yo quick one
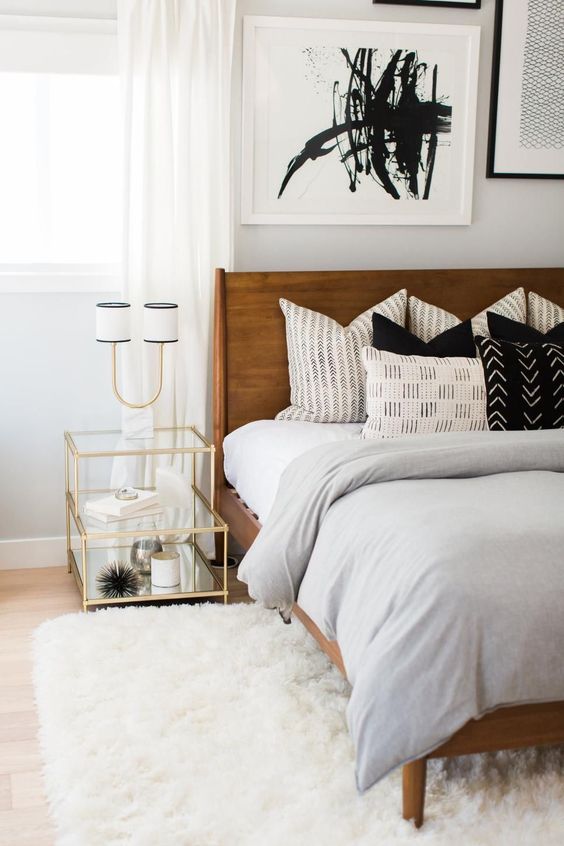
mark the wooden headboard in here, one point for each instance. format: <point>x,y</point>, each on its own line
<point>250,361</point>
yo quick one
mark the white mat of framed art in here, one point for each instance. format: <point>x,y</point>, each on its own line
<point>358,122</point>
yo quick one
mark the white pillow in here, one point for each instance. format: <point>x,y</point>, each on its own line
<point>414,394</point>
<point>325,361</point>
<point>543,314</point>
<point>427,321</point>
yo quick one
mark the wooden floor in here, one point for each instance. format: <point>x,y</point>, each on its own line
<point>27,598</point>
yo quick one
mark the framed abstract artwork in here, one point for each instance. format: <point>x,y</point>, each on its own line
<point>526,136</point>
<point>453,4</point>
<point>358,122</point>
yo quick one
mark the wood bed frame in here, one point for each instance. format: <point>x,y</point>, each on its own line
<point>251,383</point>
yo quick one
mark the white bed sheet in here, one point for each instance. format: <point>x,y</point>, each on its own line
<point>256,455</point>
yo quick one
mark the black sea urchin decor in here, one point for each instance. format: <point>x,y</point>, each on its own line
<point>118,579</point>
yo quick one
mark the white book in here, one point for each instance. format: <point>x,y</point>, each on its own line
<point>112,507</point>
<point>110,518</point>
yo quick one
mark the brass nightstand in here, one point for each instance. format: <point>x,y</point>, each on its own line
<point>91,459</point>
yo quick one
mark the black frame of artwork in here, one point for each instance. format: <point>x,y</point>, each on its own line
<point>491,173</point>
<point>448,4</point>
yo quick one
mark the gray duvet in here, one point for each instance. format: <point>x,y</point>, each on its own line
<point>439,563</point>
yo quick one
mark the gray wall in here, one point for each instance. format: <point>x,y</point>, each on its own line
<point>54,376</point>
<point>516,222</point>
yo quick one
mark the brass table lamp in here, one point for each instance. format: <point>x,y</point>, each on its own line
<point>160,326</point>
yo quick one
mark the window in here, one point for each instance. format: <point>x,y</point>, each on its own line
<point>60,155</point>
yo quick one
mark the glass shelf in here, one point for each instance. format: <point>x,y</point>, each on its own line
<point>197,579</point>
<point>195,515</point>
<point>112,442</point>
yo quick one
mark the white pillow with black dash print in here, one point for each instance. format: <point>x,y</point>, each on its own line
<point>325,361</point>
<point>427,321</point>
<point>543,315</point>
<point>420,395</point>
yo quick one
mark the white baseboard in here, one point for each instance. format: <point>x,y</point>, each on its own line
<point>32,552</point>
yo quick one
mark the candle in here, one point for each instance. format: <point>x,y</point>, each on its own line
<point>156,590</point>
<point>160,323</point>
<point>112,322</point>
<point>165,569</point>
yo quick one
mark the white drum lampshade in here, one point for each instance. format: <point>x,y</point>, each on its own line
<point>113,323</point>
<point>160,323</point>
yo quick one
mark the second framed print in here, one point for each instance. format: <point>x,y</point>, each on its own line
<point>526,138</point>
<point>358,122</point>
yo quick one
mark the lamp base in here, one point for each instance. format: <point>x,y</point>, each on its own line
<point>137,422</point>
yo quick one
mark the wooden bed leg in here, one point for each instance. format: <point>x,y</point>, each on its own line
<point>219,542</point>
<point>414,778</point>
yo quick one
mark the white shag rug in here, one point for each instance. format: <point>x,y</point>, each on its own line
<point>220,726</point>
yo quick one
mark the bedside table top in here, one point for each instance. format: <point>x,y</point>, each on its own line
<point>111,442</point>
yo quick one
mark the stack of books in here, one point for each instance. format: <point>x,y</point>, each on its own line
<point>109,509</point>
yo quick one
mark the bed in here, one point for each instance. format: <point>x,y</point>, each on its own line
<point>251,384</point>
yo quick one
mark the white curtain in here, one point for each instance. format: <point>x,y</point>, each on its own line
<point>175,60</point>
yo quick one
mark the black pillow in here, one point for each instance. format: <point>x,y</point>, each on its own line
<point>505,329</point>
<point>524,384</point>
<point>391,337</point>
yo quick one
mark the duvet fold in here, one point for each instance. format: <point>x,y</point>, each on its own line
<point>437,562</point>
<point>275,564</point>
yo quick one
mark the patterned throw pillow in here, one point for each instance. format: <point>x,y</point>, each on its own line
<point>411,394</point>
<point>456,341</point>
<point>504,329</point>
<point>325,361</point>
<point>426,320</point>
<point>543,314</point>
<point>524,384</point>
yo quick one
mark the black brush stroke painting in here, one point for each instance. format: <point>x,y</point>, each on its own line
<point>383,128</point>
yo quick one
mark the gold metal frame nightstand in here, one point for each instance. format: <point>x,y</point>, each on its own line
<point>90,457</point>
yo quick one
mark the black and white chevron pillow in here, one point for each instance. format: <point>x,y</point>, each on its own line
<point>524,384</point>
<point>543,315</point>
<point>325,361</point>
<point>427,321</point>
